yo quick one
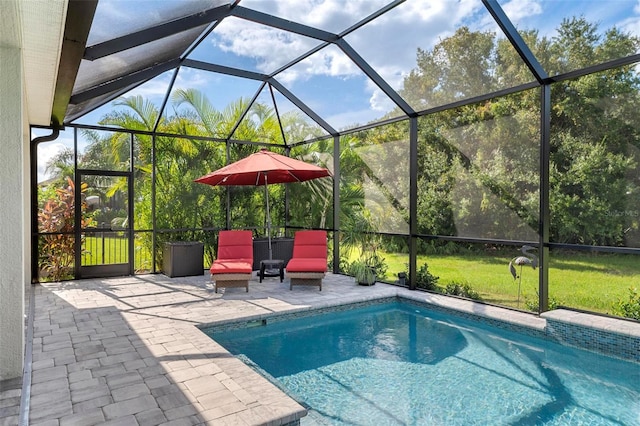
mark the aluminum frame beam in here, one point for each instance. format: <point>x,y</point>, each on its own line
<point>283,24</point>
<point>516,40</point>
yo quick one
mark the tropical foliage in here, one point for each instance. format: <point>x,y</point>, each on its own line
<point>56,221</point>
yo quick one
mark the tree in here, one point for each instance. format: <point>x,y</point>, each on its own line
<point>479,163</point>
<point>457,68</point>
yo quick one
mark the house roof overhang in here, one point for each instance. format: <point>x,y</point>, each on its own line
<point>51,54</point>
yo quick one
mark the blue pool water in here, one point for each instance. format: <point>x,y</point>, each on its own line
<point>398,364</point>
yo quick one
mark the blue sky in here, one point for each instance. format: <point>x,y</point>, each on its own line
<point>328,81</point>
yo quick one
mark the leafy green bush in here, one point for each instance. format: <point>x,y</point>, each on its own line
<point>629,308</point>
<point>425,279</point>
<point>343,264</point>
<point>462,290</point>
<point>534,306</point>
<point>378,264</point>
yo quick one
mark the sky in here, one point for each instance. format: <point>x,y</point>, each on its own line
<point>329,82</point>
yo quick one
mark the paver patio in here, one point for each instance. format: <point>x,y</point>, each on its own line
<point>126,351</point>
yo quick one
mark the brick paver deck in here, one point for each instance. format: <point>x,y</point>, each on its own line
<point>126,351</point>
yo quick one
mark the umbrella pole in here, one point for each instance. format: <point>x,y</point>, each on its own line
<point>266,195</point>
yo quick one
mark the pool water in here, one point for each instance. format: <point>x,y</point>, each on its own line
<point>398,364</point>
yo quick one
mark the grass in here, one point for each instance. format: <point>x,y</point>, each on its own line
<point>116,250</point>
<point>584,281</point>
<point>112,250</point>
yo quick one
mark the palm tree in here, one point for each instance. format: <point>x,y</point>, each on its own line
<point>60,165</point>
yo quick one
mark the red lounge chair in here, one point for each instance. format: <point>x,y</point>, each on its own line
<point>233,267</point>
<point>309,261</point>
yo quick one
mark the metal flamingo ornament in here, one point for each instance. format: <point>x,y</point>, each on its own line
<point>527,259</point>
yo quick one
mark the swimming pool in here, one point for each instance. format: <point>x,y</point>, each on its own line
<point>401,364</point>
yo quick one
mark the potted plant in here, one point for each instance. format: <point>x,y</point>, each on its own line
<point>364,273</point>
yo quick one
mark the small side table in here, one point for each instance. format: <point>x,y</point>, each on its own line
<point>267,268</point>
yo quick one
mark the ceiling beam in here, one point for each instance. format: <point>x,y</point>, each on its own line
<point>303,107</point>
<point>283,24</point>
<point>371,17</point>
<point>237,72</point>
<point>76,32</point>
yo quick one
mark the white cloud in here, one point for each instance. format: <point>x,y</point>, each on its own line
<point>631,25</point>
<point>389,43</point>
<point>268,48</point>
<point>47,151</point>
<point>194,78</point>
<point>380,102</point>
<point>520,10</point>
<point>348,119</point>
<point>329,15</point>
<point>331,61</point>
<point>396,34</point>
<point>154,88</point>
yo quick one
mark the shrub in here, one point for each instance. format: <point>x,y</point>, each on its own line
<point>343,264</point>
<point>629,308</point>
<point>365,268</point>
<point>425,279</point>
<point>462,290</point>
<point>57,250</point>
<point>534,306</point>
<point>378,264</point>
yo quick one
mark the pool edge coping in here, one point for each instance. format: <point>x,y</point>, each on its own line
<point>556,325</point>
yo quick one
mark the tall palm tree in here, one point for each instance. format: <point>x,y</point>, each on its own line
<point>60,165</point>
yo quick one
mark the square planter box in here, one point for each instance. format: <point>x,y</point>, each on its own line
<point>281,248</point>
<point>182,259</point>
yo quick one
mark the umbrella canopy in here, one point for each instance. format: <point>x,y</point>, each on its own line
<point>264,168</point>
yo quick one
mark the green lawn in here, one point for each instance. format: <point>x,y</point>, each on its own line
<point>112,250</point>
<point>584,281</point>
<point>116,250</point>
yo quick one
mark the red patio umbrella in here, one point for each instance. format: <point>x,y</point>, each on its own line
<point>264,168</point>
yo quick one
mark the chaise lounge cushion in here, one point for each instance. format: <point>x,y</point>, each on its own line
<point>309,252</point>
<point>235,244</point>
<point>231,266</point>
<point>307,264</point>
<point>234,265</point>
